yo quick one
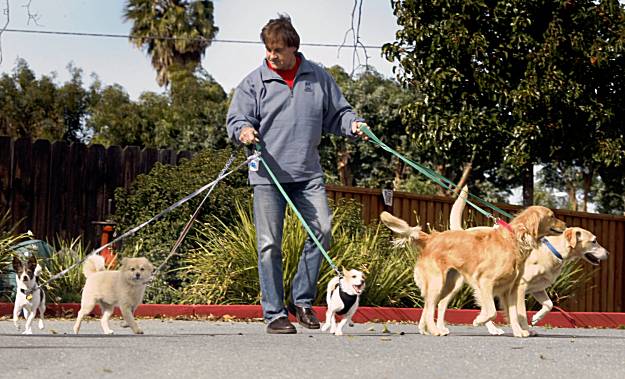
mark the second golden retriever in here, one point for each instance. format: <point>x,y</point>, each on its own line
<point>490,260</point>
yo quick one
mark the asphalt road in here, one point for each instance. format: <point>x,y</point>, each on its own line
<point>210,349</point>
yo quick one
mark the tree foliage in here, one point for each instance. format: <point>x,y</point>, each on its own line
<point>189,116</point>
<point>175,33</point>
<point>39,108</point>
<point>378,100</point>
<point>509,84</point>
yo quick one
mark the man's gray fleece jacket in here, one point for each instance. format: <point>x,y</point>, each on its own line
<point>290,122</point>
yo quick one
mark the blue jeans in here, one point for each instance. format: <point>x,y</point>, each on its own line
<point>310,199</point>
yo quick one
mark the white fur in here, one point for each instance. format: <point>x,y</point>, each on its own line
<point>352,283</point>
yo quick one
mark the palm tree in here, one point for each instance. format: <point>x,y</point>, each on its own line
<point>175,33</point>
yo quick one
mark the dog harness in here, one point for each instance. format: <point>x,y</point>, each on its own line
<point>347,299</point>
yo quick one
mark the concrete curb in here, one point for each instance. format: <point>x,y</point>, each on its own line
<point>364,314</point>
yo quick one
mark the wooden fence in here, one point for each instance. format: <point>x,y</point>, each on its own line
<point>61,189</point>
<point>606,291</point>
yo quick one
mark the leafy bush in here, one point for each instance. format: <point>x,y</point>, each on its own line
<point>67,288</point>
<point>8,238</point>
<point>164,185</point>
<point>223,269</point>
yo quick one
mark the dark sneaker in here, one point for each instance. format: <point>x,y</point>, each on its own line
<point>305,316</point>
<point>281,325</point>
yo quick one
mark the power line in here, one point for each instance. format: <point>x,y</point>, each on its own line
<point>109,35</point>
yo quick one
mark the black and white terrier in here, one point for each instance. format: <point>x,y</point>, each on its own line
<point>29,297</point>
<point>342,297</point>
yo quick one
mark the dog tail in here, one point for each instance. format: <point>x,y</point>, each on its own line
<point>455,216</point>
<point>93,264</point>
<point>407,233</point>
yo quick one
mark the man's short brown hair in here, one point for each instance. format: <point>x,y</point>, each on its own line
<point>280,30</point>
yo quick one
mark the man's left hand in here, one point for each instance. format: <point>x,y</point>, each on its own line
<point>356,130</point>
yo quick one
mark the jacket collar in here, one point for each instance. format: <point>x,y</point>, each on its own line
<point>268,74</point>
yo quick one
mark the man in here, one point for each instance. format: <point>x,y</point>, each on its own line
<point>285,105</point>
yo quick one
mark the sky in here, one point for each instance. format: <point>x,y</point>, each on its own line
<point>115,60</point>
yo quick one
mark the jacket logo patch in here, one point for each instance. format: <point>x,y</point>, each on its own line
<point>308,87</point>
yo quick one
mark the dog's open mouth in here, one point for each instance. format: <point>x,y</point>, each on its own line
<point>358,288</point>
<point>591,259</point>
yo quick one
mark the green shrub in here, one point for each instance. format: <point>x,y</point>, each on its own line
<point>223,269</point>
<point>8,237</point>
<point>164,185</point>
<point>67,288</point>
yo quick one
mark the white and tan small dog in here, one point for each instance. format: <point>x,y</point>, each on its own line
<point>124,288</point>
<point>343,297</point>
<point>29,297</point>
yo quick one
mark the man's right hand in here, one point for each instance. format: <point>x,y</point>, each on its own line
<point>248,135</point>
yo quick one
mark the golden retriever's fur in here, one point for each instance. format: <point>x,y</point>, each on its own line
<point>490,260</point>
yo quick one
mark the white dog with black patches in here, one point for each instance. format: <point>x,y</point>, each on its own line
<point>29,297</point>
<point>343,297</point>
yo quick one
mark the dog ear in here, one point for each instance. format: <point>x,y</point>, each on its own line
<point>571,237</point>
<point>124,262</point>
<point>32,262</point>
<point>345,272</point>
<point>17,264</point>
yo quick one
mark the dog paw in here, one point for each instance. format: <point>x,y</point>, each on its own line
<point>325,326</point>
<point>40,325</point>
<point>494,331</point>
<point>522,334</point>
<point>338,333</point>
<point>535,320</point>
<point>138,331</point>
<point>351,324</point>
<point>444,331</point>
<point>108,332</point>
<point>27,331</point>
<point>533,333</point>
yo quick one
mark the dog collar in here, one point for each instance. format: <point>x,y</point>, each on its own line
<point>501,222</point>
<point>29,293</point>
<point>553,249</point>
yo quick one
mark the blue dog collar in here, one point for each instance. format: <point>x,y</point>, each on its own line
<point>553,249</point>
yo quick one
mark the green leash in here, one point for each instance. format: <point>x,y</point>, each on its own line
<point>298,214</point>
<point>434,176</point>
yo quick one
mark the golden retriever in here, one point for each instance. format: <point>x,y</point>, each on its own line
<point>542,267</point>
<point>490,260</point>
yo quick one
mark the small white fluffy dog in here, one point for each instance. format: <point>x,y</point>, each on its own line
<point>28,297</point>
<point>342,297</point>
<point>124,288</point>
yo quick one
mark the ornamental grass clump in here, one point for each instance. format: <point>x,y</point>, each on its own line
<point>223,268</point>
